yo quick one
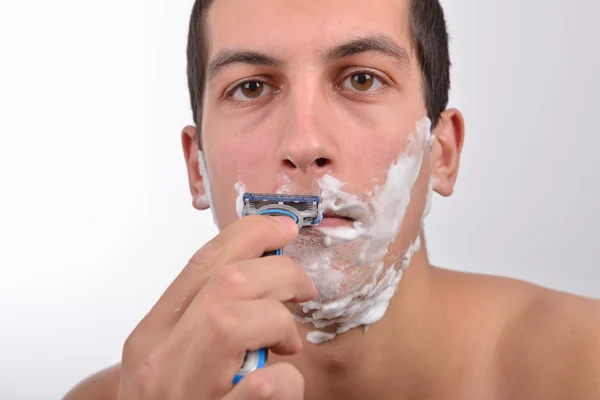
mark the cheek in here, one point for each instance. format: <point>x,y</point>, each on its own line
<point>415,213</point>
<point>377,136</point>
<point>238,161</point>
<point>370,156</point>
<point>241,159</point>
<point>243,156</point>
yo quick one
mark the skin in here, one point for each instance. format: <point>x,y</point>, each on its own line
<point>445,335</point>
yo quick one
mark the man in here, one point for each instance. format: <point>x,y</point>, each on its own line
<point>348,99</point>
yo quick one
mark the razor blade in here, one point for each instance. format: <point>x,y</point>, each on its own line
<point>305,211</point>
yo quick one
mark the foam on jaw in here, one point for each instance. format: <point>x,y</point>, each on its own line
<point>240,188</point>
<point>347,263</point>
<point>203,169</point>
<point>348,268</point>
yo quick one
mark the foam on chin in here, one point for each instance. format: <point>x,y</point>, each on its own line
<point>348,265</point>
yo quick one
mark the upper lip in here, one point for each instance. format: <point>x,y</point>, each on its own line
<point>330,214</point>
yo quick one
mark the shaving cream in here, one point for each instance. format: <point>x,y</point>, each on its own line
<point>207,196</point>
<point>347,263</point>
<point>354,287</point>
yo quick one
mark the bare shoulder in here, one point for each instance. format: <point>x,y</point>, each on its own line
<point>535,342</point>
<point>550,349</point>
<point>103,385</point>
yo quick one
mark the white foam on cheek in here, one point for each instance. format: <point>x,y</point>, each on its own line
<point>319,337</point>
<point>361,248</point>
<point>203,169</point>
<point>239,202</point>
<point>334,198</point>
<point>430,141</point>
<point>432,180</point>
<point>391,201</point>
<point>427,208</point>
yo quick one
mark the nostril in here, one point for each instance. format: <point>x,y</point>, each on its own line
<point>321,162</point>
<point>289,164</point>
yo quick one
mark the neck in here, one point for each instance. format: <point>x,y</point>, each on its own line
<point>407,353</point>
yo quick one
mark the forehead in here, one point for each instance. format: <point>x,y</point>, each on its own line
<point>290,26</point>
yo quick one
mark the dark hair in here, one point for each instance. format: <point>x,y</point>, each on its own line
<point>428,34</point>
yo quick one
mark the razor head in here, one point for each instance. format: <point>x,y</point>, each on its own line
<point>304,210</point>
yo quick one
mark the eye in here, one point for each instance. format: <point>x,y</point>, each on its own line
<point>251,90</point>
<point>362,82</point>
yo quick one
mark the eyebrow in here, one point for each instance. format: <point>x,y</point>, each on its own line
<point>373,43</point>
<point>227,58</point>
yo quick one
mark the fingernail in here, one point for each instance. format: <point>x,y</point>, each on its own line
<point>286,221</point>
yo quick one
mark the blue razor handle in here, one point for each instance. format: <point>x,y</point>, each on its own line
<point>304,210</point>
<point>252,361</point>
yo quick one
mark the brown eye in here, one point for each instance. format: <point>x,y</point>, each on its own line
<point>362,82</point>
<point>251,90</point>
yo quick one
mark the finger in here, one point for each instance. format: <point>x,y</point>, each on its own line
<point>277,381</point>
<point>221,337</point>
<point>247,238</point>
<point>276,278</point>
<point>252,236</point>
<point>234,327</point>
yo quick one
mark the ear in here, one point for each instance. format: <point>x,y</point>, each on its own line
<point>447,147</point>
<point>190,153</point>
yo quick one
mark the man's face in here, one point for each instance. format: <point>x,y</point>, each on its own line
<point>309,93</point>
<point>289,124</point>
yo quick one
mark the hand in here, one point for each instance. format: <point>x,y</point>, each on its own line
<point>227,300</point>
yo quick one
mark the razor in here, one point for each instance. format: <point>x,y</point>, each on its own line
<point>305,211</point>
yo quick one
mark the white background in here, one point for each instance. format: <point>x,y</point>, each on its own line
<point>95,214</point>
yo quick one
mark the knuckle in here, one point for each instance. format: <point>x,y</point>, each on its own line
<point>229,277</point>
<point>129,348</point>
<point>133,345</point>
<point>222,322</point>
<point>146,380</point>
<point>206,255</point>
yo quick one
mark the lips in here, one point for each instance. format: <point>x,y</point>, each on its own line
<point>334,220</point>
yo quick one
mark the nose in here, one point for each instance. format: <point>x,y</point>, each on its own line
<point>306,156</point>
<point>308,147</point>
